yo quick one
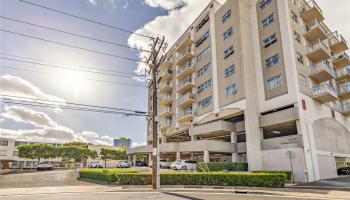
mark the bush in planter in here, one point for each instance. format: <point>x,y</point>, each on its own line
<point>108,175</point>
<point>286,172</point>
<point>211,178</point>
<point>221,166</point>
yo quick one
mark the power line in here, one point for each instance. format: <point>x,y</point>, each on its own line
<point>67,68</point>
<point>86,19</point>
<point>68,103</point>
<point>72,108</point>
<point>72,46</point>
<point>76,67</point>
<point>97,80</point>
<point>74,34</point>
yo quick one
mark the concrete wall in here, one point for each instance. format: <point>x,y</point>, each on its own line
<point>327,166</point>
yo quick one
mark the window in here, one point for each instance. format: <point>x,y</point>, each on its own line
<point>3,152</point>
<point>267,21</point>
<point>297,37</point>
<point>228,33</point>
<point>264,4</point>
<point>230,70</point>
<point>4,143</point>
<point>202,39</point>
<point>229,51</point>
<point>17,143</point>
<point>272,61</point>
<point>294,17</point>
<point>204,86</point>
<point>226,16</point>
<point>204,53</point>
<point>300,58</point>
<point>270,40</point>
<point>204,69</point>
<point>205,102</point>
<point>274,82</point>
<point>231,90</point>
<point>302,80</point>
<point>201,24</point>
<point>15,153</point>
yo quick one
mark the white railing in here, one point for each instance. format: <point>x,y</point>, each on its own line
<point>308,6</point>
<point>167,122</point>
<point>340,56</point>
<point>182,54</point>
<point>344,72</point>
<point>315,23</point>
<point>185,81</point>
<point>166,72</point>
<point>184,67</point>
<point>185,97</point>
<point>313,69</point>
<point>166,109</point>
<point>324,88</point>
<point>168,83</point>
<point>186,112</point>
<point>344,89</point>
<point>336,38</point>
<point>317,45</point>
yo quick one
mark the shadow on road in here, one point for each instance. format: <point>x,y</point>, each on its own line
<point>181,195</point>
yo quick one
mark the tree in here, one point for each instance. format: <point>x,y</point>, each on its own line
<point>112,154</point>
<point>36,151</point>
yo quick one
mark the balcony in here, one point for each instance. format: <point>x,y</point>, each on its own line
<point>321,72</point>
<point>167,63</point>
<point>316,31</point>
<point>186,116</point>
<point>344,91</point>
<point>167,123</point>
<point>166,99</point>
<point>318,51</point>
<point>165,87</point>
<point>345,109</point>
<point>185,85</point>
<point>341,60</point>
<point>185,41</point>
<point>337,43</point>
<point>166,112</point>
<point>343,74</point>
<point>324,93</point>
<point>311,11</point>
<point>185,56</point>
<point>166,75</point>
<point>186,100</point>
<point>185,70</point>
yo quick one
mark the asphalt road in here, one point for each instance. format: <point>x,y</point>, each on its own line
<point>151,195</point>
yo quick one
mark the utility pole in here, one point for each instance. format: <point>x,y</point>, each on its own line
<point>154,63</point>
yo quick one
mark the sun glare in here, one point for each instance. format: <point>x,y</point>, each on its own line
<point>75,81</point>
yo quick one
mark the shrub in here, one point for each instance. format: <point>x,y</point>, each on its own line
<point>286,172</point>
<point>221,166</point>
<point>103,175</point>
<point>216,178</point>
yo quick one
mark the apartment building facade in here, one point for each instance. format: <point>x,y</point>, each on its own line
<point>258,81</point>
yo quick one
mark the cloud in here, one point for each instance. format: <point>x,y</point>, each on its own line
<point>136,144</point>
<point>107,138</point>
<point>181,14</point>
<point>93,2</point>
<point>90,134</point>
<point>101,142</point>
<point>26,115</point>
<point>16,86</point>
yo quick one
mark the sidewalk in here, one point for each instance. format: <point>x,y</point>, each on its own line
<point>295,192</point>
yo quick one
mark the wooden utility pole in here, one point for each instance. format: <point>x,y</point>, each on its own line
<point>154,63</point>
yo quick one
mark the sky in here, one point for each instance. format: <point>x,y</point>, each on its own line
<point>149,17</point>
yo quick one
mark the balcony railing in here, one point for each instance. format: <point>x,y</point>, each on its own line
<point>185,81</point>
<point>185,113</point>
<point>335,38</point>
<point>316,30</point>
<point>318,51</point>
<point>317,45</point>
<point>166,109</point>
<point>184,67</point>
<point>341,60</point>
<point>322,66</point>
<point>167,122</point>
<point>311,10</point>
<point>340,56</point>
<point>324,88</point>
<point>344,89</point>
<point>343,73</point>
<point>166,74</point>
<point>167,96</point>
<point>183,55</point>
<point>184,41</point>
<point>187,96</point>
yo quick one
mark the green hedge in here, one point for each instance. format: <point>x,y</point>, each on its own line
<point>286,172</point>
<point>103,175</point>
<point>222,179</point>
<point>221,166</point>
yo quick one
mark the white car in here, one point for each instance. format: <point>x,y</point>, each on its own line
<point>164,164</point>
<point>183,165</point>
<point>44,166</point>
<point>123,164</point>
<point>95,164</point>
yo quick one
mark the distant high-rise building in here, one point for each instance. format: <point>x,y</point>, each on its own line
<point>122,142</point>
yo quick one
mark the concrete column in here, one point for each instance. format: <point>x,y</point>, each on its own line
<point>129,159</point>
<point>193,138</point>
<point>134,160</point>
<point>164,139</point>
<point>178,156</point>
<point>191,156</point>
<point>206,156</point>
<point>235,157</point>
<point>149,158</point>
<point>233,137</point>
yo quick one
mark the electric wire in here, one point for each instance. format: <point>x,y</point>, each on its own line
<point>72,46</point>
<point>86,19</point>
<point>74,34</point>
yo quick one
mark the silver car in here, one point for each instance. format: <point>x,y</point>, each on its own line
<point>44,166</point>
<point>184,165</point>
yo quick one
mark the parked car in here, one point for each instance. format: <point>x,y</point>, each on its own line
<point>183,165</point>
<point>123,164</point>
<point>343,171</point>
<point>95,164</point>
<point>141,163</point>
<point>44,166</point>
<point>164,164</point>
